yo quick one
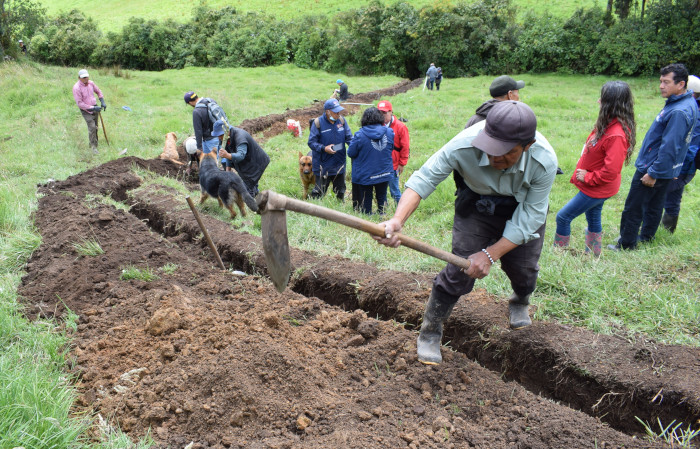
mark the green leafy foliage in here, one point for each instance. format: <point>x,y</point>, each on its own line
<point>69,38</point>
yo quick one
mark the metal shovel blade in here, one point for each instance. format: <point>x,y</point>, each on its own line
<point>276,247</point>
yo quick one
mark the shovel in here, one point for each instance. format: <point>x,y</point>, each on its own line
<point>273,206</point>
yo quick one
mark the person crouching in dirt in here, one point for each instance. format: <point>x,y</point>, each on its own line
<point>328,135</point>
<point>508,168</point>
<point>341,93</point>
<point>243,154</point>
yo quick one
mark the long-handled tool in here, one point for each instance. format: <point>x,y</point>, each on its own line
<point>104,131</point>
<point>210,242</point>
<point>273,206</point>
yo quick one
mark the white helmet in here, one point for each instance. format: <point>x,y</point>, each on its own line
<point>191,145</point>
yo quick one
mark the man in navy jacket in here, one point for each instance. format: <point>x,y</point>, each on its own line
<point>328,136</point>
<point>660,159</point>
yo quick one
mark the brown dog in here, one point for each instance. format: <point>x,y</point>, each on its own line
<point>170,148</point>
<point>306,173</point>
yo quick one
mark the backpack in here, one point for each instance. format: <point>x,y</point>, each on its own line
<point>316,122</point>
<point>216,112</point>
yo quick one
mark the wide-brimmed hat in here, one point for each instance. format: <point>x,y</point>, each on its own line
<point>508,123</point>
<point>219,128</point>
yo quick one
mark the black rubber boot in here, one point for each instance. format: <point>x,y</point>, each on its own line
<point>437,310</point>
<point>669,222</point>
<point>517,308</point>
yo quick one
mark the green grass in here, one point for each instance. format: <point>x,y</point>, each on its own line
<point>88,247</point>
<point>112,15</point>
<point>652,291</point>
<point>141,274</point>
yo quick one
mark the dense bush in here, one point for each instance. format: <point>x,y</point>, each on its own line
<point>68,39</point>
<point>480,37</point>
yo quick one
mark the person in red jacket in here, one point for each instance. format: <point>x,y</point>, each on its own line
<point>402,145</point>
<point>597,174</point>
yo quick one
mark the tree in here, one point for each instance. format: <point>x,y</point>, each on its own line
<point>19,19</point>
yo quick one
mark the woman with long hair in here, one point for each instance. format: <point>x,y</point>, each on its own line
<point>597,174</point>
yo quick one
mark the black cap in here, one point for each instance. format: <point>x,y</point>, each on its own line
<point>501,85</point>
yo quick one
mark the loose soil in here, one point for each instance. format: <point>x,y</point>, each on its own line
<point>206,358</point>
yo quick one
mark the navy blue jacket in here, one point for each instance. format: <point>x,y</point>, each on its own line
<point>329,133</point>
<point>370,151</point>
<point>666,143</point>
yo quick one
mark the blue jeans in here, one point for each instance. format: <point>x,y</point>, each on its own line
<point>643,207</point>
<point>578,205</point>
<point>672,205</point>
<point>208,145</point>
<point>394,189</point>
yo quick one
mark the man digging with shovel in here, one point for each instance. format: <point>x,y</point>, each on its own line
<point>508,168</point>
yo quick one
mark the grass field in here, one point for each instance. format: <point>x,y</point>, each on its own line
<point>650,293</point>
<point>112,15</point>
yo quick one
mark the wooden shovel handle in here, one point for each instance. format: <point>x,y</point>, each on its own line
<point>367,226</point>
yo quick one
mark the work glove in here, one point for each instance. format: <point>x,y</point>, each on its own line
<point>96,109</point>
<point>104,105</point>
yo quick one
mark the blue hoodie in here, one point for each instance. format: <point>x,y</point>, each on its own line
<point>666,143</point>
<point>370,151</point>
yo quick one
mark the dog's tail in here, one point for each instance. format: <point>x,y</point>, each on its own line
<point>242,190</point>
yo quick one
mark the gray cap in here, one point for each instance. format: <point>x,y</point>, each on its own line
<point>83,74</point>
<point>501,85</point>
<point>508,123</point>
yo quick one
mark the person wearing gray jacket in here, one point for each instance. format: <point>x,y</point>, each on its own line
<point>431,74</point>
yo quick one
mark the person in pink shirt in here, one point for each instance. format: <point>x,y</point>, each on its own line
<point>84,93</point>
<point>597,174</point>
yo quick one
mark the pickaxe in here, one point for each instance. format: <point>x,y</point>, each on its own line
<point>273,206</point>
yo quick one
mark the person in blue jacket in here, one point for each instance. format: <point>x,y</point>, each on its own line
<point>660,159</point>
<point>328,135</point>
<point>372,166</point>
<point>672,205</point>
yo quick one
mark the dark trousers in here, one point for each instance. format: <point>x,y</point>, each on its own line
<point>674,194</point>
<point>643,207</point>
<point>362,197</point>
<point>323,182</point>
<point>472,231</point>
<point>429,83</point>
<point>91,120</point>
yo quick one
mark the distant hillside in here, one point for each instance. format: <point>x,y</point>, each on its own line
<point>111,15</point>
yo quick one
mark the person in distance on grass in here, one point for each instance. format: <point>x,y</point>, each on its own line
<point>328,135</point>
<point>202,124</point>
<point>401,147</point>
<point>672,205</point>
<point>370,151</point>
<point>22,47</point>
<point>438,78</point>
<point>341,93</point>
<point>84,94</point>
<point>431,74</point>
<point>243,154</point>
<point>597,174</point>
<point>660,159</point>
<point>508,168</point>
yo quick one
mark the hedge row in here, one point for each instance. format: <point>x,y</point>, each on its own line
<point>482,37</point>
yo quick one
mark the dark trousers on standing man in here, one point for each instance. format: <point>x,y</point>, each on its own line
<point>324,181</point>
<point>91,120</point>
<point>643,207</point>
<point>476,227</point>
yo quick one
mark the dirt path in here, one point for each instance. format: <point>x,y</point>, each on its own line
<point>224,361</point>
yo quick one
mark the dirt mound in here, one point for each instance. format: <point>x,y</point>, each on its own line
<point>222,360</point>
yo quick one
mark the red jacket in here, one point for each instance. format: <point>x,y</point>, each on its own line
<point>401,142</point>
<point>603,160</point>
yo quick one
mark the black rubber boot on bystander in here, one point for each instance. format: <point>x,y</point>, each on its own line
<point>517,308</point>
<point>437,310</point>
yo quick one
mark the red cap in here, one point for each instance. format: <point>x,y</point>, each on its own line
<point>384,106</point>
